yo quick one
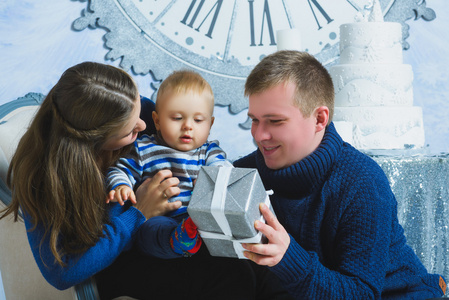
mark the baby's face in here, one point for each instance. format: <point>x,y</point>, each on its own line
<point>184,120</point>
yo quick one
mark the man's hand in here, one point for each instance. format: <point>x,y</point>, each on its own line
<point>278,241</point>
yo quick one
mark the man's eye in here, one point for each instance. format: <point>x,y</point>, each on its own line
<point>275,121</point>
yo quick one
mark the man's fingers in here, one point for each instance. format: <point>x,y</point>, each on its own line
<point>269,217</point>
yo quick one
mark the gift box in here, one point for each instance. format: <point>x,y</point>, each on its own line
<point>224,206</point>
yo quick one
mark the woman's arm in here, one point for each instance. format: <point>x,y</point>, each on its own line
<point>118,235</point>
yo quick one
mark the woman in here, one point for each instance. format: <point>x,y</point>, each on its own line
<point>85,123</point>
<point>57,174</point>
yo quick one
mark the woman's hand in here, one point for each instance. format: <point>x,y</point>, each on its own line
<point>153,194</point>
<point>278,241</point>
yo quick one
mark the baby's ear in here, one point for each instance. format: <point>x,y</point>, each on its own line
<point>322,117</point>
<point>155,119</point>
<point>212,121</point>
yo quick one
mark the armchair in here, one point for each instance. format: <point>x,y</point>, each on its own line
<point>20,274</point>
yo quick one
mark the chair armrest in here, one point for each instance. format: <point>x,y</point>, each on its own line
<point>21,276</point>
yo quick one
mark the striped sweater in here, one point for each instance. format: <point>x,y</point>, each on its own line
<point>150,155</point>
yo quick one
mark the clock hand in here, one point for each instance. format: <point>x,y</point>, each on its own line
<point>352,2</point>
<point>230,31</point>
<point>166,9</point>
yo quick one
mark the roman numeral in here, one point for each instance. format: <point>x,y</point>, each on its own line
<point>266,15</point>
<point>321,10</point>
<point>216,7</point>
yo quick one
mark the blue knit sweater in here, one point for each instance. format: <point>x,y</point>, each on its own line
<point>346,241</point>
<point>119,235</point>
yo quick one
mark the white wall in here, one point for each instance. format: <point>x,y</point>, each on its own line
<point>37,45</point>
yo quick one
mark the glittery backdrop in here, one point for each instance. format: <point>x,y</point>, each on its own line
<point>420,184</point>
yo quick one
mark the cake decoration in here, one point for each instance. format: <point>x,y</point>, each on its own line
<point>373,88</point>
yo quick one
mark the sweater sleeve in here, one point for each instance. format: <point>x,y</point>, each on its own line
<point>215,156</point>
<point>127,170</point>
<point>118,236</point>
<point>354,264</point>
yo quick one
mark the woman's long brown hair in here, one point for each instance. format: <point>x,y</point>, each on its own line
<point>57,171</point>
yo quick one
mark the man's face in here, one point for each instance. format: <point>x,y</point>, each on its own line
<point>282,133</point>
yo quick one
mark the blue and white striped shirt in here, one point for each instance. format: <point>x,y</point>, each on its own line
<point>149,157</point>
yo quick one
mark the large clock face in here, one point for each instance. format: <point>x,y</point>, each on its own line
<point>239,32</point>
<point>223,40</point>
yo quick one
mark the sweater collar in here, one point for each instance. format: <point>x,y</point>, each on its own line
<point>302,177</point>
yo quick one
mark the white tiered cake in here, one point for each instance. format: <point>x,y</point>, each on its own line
<point>373,88</point>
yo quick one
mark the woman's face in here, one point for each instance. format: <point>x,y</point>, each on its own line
<point>128,133</point>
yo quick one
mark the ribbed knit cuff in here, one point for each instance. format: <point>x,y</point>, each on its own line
<point>294,264</point>
<point>132,218</point>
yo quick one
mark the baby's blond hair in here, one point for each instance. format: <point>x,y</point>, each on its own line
<point>184,81</point>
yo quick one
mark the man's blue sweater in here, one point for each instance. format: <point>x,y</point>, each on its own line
<point>346,241</point>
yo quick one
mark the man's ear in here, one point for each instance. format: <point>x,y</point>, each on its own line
<point>156,120</point>
<point>322,117</point>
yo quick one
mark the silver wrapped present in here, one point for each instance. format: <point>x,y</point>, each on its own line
<point>224,206</point>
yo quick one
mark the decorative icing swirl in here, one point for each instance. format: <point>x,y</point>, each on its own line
<point>376,14</point>
<point>372,12</point>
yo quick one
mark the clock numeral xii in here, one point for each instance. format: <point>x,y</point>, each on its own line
<point>194,10</point>
<point>266,15</point>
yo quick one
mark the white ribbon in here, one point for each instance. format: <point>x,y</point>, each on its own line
<point>223,222</point>
<point>219,200</point>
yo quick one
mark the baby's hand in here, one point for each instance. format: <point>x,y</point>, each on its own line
<point>120,194</point>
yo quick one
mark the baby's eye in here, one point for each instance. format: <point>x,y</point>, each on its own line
<point>199,120</point>
<point>176,118</point>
